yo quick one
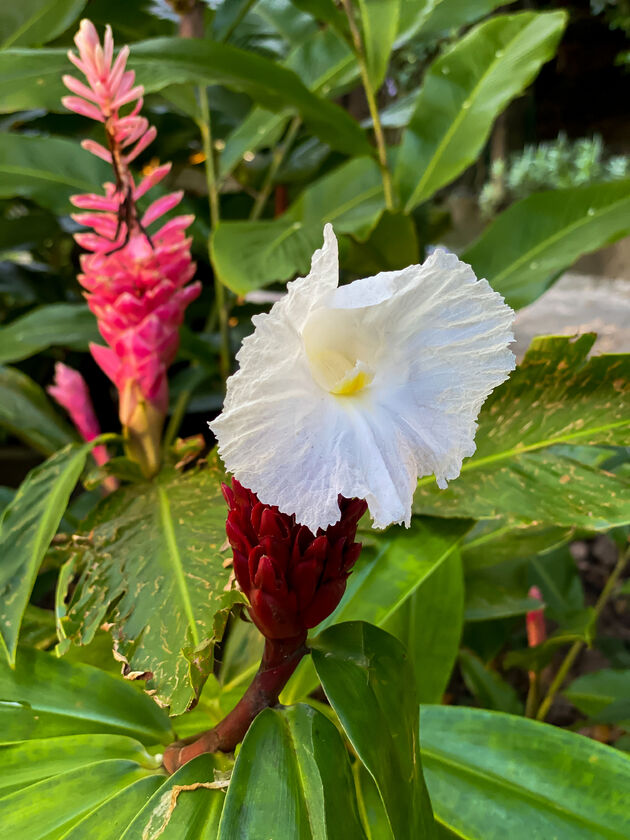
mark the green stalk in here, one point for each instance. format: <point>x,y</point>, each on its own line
<point>205,128</point>
<point>370,95</point>
<point>576,647</point>
<point>279,154</point>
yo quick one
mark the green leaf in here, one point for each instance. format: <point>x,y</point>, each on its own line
<point>27,527</point>
<point>47,170</point>
<point>57,324</point>
<point>186,807</point>
<point>498,591</point>
<point>436,18</point>
<point>33,80</point>
<point>46,810</point>
<point>487,686</point>
<point>27,413</point>
<point>529,245</point>
<point>493,541</point>
<point>492,775</point>
<point>291,779</point>
<point>379,24</point>
<point>384,579</point>
<point>155,567</point>
<point>594,693</point>
<point>464,91</point>
<point>26,762</point>
<point>248,255</point>
<point>557,395</point>
<point>368,680</point>
<point>392,245</point>
<point>429,624</point>
<point>322,62</point>
<point>34,22</point>
<point>44,697</point>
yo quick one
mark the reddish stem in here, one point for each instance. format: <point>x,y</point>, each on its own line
<point>280,659</point>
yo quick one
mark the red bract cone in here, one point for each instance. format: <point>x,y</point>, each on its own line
<point>292,577</point>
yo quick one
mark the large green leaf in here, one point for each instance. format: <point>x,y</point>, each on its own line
<point>556,396</point>
<point>464,90</point>
<point>155,565</point>
<point>487,686</point>
<point>534,240</point>
<point>427,20</point>
<point>44,697</point>
<point>384,579</point>
<point>367,678</point>
<point>493,776</point>
<point>47,170</point>
<point>66,324</point>
<point>379,24</point>
<point>291,780</point>
<point>32,79</point>
<point>429,624</point>
<point>248,255</point>
<point>322,62</point>
<point>27,527</point>
<point>27,413</point>
<point>492,541</point>
<point>34,22</point>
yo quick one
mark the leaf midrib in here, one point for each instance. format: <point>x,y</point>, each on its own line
<point>521,792</point>
<point>551,240</point>
<point>45,175</point>
<point>475,464</point>
<point>462,114</point>
<point>175,557</point>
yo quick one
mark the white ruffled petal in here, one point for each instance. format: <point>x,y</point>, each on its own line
<point>360,390</point>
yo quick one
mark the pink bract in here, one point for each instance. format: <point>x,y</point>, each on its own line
<point>135,278</point>
<point>70,390</point>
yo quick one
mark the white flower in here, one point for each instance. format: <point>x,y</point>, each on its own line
<point>362,389</point>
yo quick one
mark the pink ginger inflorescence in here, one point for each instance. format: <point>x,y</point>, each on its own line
<point>136,279</point>
<point>71,391</point>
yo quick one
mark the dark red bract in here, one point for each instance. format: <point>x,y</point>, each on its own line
<point>292,577</point>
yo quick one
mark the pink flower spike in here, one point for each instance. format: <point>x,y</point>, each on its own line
<point>136,284</point>
<point>535,620</point>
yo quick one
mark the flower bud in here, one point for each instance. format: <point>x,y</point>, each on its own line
<point>293,578</point>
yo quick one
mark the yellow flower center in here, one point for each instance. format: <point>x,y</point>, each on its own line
<point>338,374</point>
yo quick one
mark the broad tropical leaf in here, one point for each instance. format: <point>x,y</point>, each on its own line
<point>248,255</point>
<point>492,775</point>
<point>556,396</point>
<point>464,90</point>
<point>156,565</point>
<point>292,779</point>
<point>34,22</point>
<point>47,170</point>
<point>429,624</point>
<point>367,678</point>
<point>527,247</point>
<point>32,79</point>
<point>429,19</point>
<point>57,324</point>
<point>27,413</point>
<point>45,697</point>
<point>379,24</point>
<point>27,527</point>
<point>601,692</point>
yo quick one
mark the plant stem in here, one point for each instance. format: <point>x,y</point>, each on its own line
<point>205,128</point>
<point>370,95</point>
<point>577,646</point>
<point>280,659</point>
<point>279,155</point>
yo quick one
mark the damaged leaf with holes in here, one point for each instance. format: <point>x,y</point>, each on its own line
<point>155,568</point>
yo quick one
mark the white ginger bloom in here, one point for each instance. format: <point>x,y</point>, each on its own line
<point>359,390</point>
